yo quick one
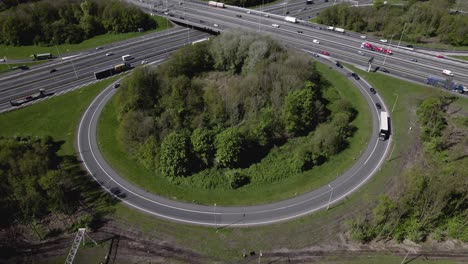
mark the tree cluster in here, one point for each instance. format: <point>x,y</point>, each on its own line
<point>6,4</point>
<point>34,181</point>
<point>224,103</point>
<point>420,20</point>
<point>434,197</point>
<point>56,22</point>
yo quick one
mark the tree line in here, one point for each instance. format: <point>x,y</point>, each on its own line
<point>421,21</point>
<point>36,183</point>
<point>433,201</point>
<point>225,103</point>
<point>57,22</point>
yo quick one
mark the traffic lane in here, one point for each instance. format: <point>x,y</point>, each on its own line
<point>157,37</point>
<point>332,35</point>
<point>96,59</point>
<point>88,72</point>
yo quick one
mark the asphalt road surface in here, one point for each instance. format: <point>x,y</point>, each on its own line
<point>365,167</point>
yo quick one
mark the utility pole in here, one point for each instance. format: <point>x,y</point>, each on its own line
<point>386,54</point>
<point>404,27</point>
<point>80,236</point>
<point>394,104</point>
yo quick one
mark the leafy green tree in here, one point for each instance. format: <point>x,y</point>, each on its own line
<point>229,146</point>
<point>202,141</point>
<point>140,90</point>
<point>236,179</point>
<point>431,115</point>
<point>175,155</point>
<point>149,152</point>
<point>328,140</point>
<point>301,111</point>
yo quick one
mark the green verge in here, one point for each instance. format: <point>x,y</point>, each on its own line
<point>133,171</point>
<point>461,57</point>
<point>322,227</point>
<point>57,117</point>
<point>23,52</point>
<point>7,67</point>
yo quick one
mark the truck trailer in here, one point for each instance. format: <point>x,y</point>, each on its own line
<point>42,93</point>
<point>43,56</point>
<point>341,30</point>
<point>384,128</point>
<point>112,70</point>
<point>290,19</point>
<point>216,4</point>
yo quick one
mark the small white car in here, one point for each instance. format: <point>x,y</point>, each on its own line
<point>266,15</point>
<point>363,37</point>
<point>384,40</point>
<point>109,54</point>
<point>360,53</point>
<point>447,72</point>
<point>248,12</point>
<point>144,62</point>
<point>215,25</point>
<point>316,41</point>
<point>275,25</point>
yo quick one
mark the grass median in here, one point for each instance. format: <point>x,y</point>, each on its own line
<point>23,52</point>
<point>57,117</point>
<point>133,171</point>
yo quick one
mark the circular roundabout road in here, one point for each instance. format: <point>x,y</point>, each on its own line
<point>363,169</point>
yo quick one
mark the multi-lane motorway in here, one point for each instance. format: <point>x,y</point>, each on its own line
<point>77,69</point>
<point>413,65</point>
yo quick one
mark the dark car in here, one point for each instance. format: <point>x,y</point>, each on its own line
<point>24,67</point>
<point>338,64</point>
<point>238,15</point>
<point>201,21</point>
<point>378,106</point>
<point>300,31</point>
<point>52,70</point>
<point>356,77</point>
<point>384,70</point>
<point>410,46</point>
<point>372,90</point>
<point>116,85</point>
<point>182,17</point>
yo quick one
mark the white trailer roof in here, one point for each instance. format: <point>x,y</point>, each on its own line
<point>383,121</point>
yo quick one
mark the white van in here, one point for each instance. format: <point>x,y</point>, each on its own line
<point>127,57</point>
<point>447,72</point>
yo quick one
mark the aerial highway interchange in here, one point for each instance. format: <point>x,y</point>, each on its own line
<point>75,70</point>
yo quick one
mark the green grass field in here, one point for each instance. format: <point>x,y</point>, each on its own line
<point>7,67</point>
<point>23,52</point>
<point>57,117</point>
<point>461,57</point>
<point>132,170</point>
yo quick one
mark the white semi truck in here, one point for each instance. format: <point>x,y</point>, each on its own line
<point>384,128</point>
<point>290,19</point>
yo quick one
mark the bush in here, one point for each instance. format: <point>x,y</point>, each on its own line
<point>236,179</point>
<point>175,155</point>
